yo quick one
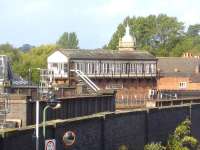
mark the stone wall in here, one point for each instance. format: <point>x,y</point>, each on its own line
<point>108,131</point>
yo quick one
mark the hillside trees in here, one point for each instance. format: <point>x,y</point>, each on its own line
<point>35,58</point>
<point>13,53</point>
<point>29,56</point>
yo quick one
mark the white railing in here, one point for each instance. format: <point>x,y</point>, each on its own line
<point>86,80</point>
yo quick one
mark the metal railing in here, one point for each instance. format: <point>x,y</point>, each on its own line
<point>86,80</point>
<point>129,102</point>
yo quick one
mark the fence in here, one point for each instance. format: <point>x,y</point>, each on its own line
<point>131,102</point>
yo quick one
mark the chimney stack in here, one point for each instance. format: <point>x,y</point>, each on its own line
<point>187,55</point>
<point>197,69</point>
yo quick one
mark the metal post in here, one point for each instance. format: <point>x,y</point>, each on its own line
<point>44,121</point>
<point>37,124</point>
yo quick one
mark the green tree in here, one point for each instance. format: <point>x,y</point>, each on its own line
<point>113,44</point>
<point>157,34</point>
<point>13,53</point>
<point>193,30</point>
<point>35,58</point>
<point>187,44</point>
<point>68,41</point>
<point>181,139</point>
<point>154,146</point>
<point>26,47</point>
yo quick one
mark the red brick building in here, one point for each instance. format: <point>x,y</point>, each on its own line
<point>178,73</point>
<point>129,71</point>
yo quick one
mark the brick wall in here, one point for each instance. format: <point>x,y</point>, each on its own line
<point>173,83</point>
<point>132,88</point>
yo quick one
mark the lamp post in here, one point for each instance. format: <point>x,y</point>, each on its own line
<point>58,105</point>
<point>37,111</point>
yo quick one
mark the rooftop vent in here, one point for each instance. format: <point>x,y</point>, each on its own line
<point>197,69</point>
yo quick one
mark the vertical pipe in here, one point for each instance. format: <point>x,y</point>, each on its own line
<point>37,125</point>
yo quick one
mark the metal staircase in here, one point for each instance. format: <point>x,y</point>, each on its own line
<point>87,80</point>
<point>5,78</point>
<point>46,80</point>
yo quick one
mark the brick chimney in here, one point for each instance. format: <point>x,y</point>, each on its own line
<point>187,55</point>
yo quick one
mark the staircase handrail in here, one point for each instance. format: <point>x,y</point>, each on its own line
<point>86,79</point>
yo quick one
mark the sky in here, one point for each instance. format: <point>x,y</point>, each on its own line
<point>39,22</point>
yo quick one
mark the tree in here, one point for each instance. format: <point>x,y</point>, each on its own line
<point>13,53</point>
<point>154,146</point>
<point>193,30</point>
<point>26,47</point>
<point>181,139</point>
<point>35,58</point>
<point>113,44</point>
<point>157,34</point>
<point>68,41</point>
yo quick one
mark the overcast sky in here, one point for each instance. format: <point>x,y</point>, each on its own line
<point>43,21</point>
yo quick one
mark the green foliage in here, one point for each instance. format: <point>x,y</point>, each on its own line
<point>115,38</point>
<point>13,53</point>
<point>154,146</point>
<point>193,30</point>
<point>26,47</point>
<point>181,139</point>
<point>68,41</point>
<point>35,58</point>
<point>187,44</point>
<point>160,35</point>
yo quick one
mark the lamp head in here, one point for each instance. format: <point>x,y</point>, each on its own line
<point>57,106</point>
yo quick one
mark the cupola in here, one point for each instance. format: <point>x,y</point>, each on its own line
<point>127,42</point>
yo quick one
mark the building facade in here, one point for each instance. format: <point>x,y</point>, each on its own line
<point>179,73</point>
<point>129,71</point>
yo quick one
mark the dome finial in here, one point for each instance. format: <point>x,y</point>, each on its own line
<point>127,30</point>
<point>127,42</point>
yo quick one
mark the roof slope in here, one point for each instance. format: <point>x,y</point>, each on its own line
<point>106,54</point>
<point>177,66</point>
